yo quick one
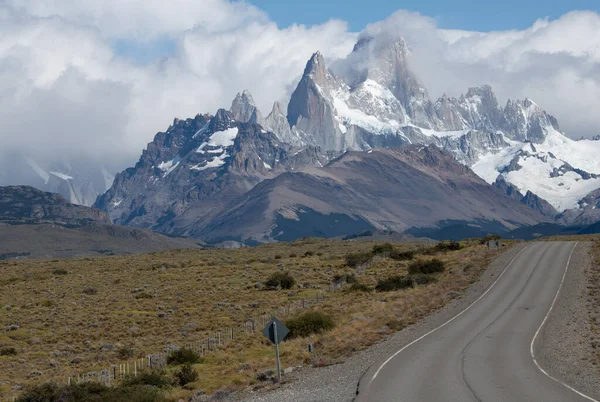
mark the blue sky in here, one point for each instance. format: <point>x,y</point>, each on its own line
<point>478,15</point>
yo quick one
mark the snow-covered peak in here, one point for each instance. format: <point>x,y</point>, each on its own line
<point>559,170</point>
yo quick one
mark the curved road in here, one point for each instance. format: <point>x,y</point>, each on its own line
<point>485,353</point>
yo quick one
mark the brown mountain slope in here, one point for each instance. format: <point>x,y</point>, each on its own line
<point>393,189</point>
<point>36,224</point>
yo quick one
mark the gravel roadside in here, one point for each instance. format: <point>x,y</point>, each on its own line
<point>564,348</point>
<point>339,382</point>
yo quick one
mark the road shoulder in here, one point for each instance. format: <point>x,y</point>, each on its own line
<point>565,345</point>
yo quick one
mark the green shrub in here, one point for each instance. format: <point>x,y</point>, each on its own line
<point>311,322</point>
<point>490,237</point>
<point>283,279</point>
<point>402,282</point>
<point>348,278</point>
<point>59,271</point>
<point>385,248</point>
<point>309,253</point>
<point>186,375</point>
<point>356,259</point>
<point>90,392</point>
<point>8,351</point>
<point>47,303</point>
<point>360,287</point>
<point>154,377</point>
<point>444,247</point>
<point>125,352</point>
<point>183,356</point>
<point>278,257</point>
<point>394,283</point>
<point>144,295</point>
<point>90,290</point>
<point>426,267</point>
<point>402,255</point>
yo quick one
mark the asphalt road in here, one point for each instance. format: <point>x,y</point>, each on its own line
<point>487,352</point>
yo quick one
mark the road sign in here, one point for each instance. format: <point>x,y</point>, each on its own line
<point>276,332</point>
<point>493,244</point>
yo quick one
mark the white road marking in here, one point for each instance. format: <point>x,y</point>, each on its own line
<point>542,325</point>
<point>449,321</point>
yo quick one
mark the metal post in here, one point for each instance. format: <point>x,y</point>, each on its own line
<point>277,352</point>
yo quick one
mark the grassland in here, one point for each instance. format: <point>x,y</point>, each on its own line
<point>70,316</point>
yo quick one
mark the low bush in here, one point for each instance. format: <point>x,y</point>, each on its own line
<point>150,377</point>
<point>90,290</point>
<point>444,247</point>
<point>144,295</point>
<point>403,282</point>
<point>360,287</point>
<point>490,237</point>
<point>59,271</point>
<point>183,356</point>
<point>394,283</point>
<point>91,391</point>
<point>348,278</point>
<point>125,352</point>
<point>402,255</point>
<point>356,259</point>
<point>280,279</point>
<point>47,303</point>
<point>186,375</point>
<point>311,322</point>
<point>309,253</point>
<point>385,248</point>
<point>8,351</point>
<point>426,267</point>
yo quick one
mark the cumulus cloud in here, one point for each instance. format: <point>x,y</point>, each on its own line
<point>65,91</point>
<point>556,63</point>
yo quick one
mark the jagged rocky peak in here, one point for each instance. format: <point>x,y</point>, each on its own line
<point>316,68</point>
<point>277,122</point>
<point>244,109</point>
<point>310,110</point>
<point>484,94</point>
<point>222,121</point>
<point>525,120</point>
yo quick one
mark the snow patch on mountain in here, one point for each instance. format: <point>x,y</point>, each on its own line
<point>169,166</point>
<point>223,138</point>
<point>216,161</point>
<point>61,175</point>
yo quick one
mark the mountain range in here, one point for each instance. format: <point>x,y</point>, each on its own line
<point>359,146</point>
<point>38,224</point>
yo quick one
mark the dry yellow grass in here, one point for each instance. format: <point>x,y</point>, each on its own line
<point>64,320</point>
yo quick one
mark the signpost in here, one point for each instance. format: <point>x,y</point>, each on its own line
<point>276,332</point>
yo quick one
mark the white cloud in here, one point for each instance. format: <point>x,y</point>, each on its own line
<point>556,63</point>
<point>64,90</point>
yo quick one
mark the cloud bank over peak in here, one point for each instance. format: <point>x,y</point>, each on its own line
<point>556,63</point>
<point>65,90</point>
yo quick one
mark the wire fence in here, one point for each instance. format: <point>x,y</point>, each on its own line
<point>214,341</point>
